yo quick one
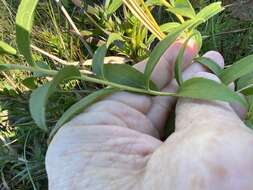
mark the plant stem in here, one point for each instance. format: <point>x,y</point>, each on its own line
<point>90,79</point>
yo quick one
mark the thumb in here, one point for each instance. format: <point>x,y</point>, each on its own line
<point>163,71</point>
<point>198,113</point>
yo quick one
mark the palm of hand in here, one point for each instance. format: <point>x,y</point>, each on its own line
<point>115,144</point>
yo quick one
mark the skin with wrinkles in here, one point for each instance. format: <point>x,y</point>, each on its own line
<point>115,144</point>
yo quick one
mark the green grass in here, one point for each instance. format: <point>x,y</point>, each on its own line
<point>23,145</point>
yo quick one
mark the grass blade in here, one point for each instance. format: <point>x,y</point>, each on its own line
<point>24,22</point>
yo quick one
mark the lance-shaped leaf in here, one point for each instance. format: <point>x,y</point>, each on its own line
<point>167,28</point>
<point>126,75</point>
<point>244,81</point>
<point>237,70</point>
<point>118,73</point>
<point>98,61</point>
<point>210,10</point>
<point>179,61</point>
<point>112,6</point>
<point>5,48</point>
<point>201,88</point>
<point>183,8</point>
<point>210,64</point>
<point>80,106</point>
<point>39,97</point>
<point>161,48</point>
<point>24,22</point>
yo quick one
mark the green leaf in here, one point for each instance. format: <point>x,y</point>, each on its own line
<point>197,38</point>
<point>80,106</point>
<point>244,81</point>
<point>153,2</point>
<point>179,61</point>
<point>113,5</point>
<point>39,97</point>
<point>4,67</point>
<point>37,105</point>
<point>126,75</point>
<point>98,61</point>
<point>5,48</point>
<point>210,10</point>
<point>183,8</point>
<point>206,89</point>
<point>237,70</point>
<point>161,48</point>
<point>114,37</point>
<point>30,82</point>
<point>247,91</point>
<point>210,64</point>
<point>24,21</point>
<point>167,28</point>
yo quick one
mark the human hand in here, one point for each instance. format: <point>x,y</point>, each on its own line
<point>115,144</point>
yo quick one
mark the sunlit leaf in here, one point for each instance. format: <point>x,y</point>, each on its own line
<point>161,48</point>
<point>112,6</point>
<point>210,10</point>
<point>24,22</point>
<point>5,48</point>
<point>141,11</point>
<point>183,8</point>
<point>114,37</point>
<point>153,2</point>
<point>197,38</point>
<point>206,89</point>
<point>166,28</point>
<point>237,70</point>
<point>39,97</point>
<point>179,62</point>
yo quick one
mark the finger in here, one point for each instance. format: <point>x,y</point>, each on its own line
<point>161,75</point>
<point>197,113</point>
<point>161,105</point>
<point>132,118</point>
<point>239,110</point>
<point>163,72</point>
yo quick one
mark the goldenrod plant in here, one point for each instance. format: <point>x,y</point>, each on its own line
<point>120,77</point>
<point>55,55</point>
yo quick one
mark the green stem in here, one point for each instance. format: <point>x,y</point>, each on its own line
<point>89,79</point>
